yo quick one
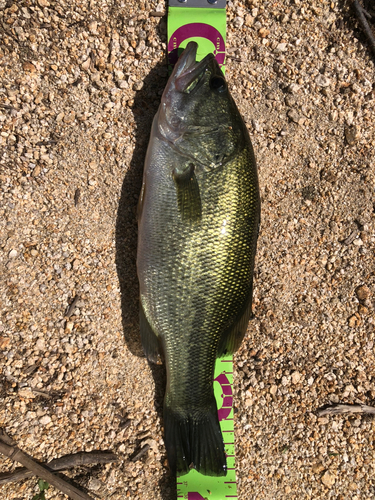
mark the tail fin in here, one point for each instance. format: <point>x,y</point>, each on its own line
<point>194,441</point>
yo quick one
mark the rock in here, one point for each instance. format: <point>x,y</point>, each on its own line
<point>334,398</point>
<point>328,479</point>
<point>138,85</point>
<point>363,292</point>
<point>123,84</point>
<point>249,20</point>
<point>296,377</point>
<point>322,81</point>
<point>45,420</point>
<point>40,344</point>
<point>93,25</point>
<point>13,254</point>
<point>28,66</point>
<point>352,321</point>
<point>281,47</point>
<point>295,117</point>
<point>95,484</point>
<point>60,116</point>
<point>238,22</point>
<point>363,310</point>
<point>273,390</point>
<point>293,88</point>
<point>70,117</point>
<point>318,468</point>
<point>141,47</point>
<point>333,115</point>
<point>352,134</point>
<point>26,392</point>
<point>69,327</point>
<point>86,64</point>
<point>290,100</point>
<point>35,173</point>
<point>4,342</point>
<point>263,32</point>
<point>248,401</point>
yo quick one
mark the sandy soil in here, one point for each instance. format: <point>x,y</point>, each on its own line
<point>80,83</point>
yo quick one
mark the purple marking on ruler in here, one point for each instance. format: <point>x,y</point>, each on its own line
<point>195,496</point>
<point>227,390</point>
<point>226,408</point>
<point>227,402</point>
<point>222,379</point>
<point>196,30</point>
<point>229,482</point>
<point>231,468</point>
<point>229,431</point>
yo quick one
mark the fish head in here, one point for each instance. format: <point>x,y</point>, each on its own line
<point>197,113</point>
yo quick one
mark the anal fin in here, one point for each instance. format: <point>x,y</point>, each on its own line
<point>150,341</point>
<point>232,338</point>
<point>188,196</point>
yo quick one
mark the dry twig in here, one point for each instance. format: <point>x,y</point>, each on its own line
<point>9,449</point>
<point>340,409</point>
<point>72,307</point>
<point>349,240</point>
<point>141,453</point>
<point>361,16</point>
<point>62,463</point>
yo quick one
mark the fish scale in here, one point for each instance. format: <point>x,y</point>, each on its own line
<point>195,266</point>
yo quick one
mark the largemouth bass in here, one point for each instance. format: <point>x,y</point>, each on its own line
<point>198,219</point>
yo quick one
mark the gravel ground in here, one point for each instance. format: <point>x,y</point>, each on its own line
<point>80,83</point>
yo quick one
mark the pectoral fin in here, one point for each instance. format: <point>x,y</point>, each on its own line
<point>188,196</point>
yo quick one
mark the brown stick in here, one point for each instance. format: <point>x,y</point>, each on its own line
<point>141,453</point>
<point>72,306</point>
<point>62,463</point>
<point>11,451</point>
<point>359,10</point>
<point>340,409</point>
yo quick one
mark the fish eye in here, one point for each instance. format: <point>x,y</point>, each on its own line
<point>218,83</point>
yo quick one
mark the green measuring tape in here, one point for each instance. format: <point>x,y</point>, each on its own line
<point>204,21</point>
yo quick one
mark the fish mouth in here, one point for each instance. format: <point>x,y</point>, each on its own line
<point>187,72</point>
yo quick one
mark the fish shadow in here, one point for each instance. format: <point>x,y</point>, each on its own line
<point>146,103</point>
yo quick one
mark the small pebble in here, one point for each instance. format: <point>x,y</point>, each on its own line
<point>352,135</point>
<point>328,479</point>
<point>322,81</point>
<point>45,420</point>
